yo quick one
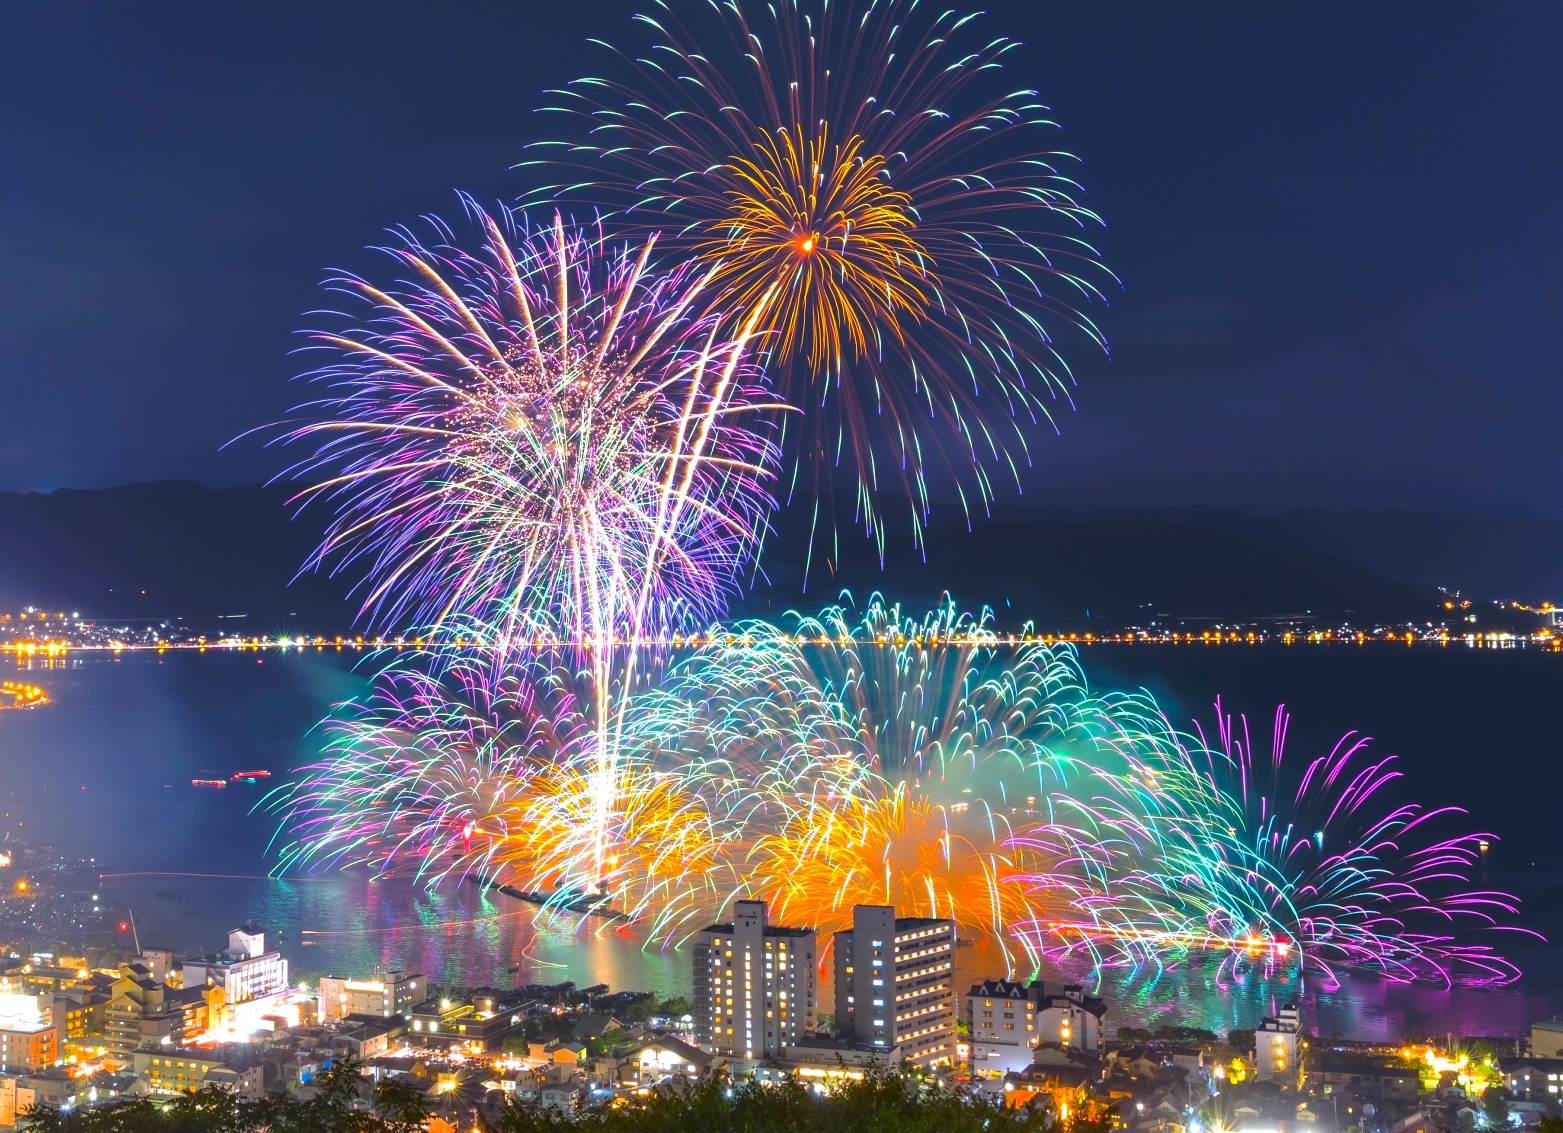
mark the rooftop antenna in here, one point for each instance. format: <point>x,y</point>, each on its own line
<point>136,936</point>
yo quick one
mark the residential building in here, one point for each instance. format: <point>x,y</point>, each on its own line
<point>754,984</point>
<point>368,1036</point>
<point>174,1070</point>
<point>557,1051</point>
<point>1002,1025</point>
<point>1546,1038</point>
<point>1009,1020</point>
<point>134,995</point>
<point>389,993</point>
<point>894,983</point>
<point>1073,1020</point>
<point>1276,1042</point>
<point>244,970</point>
<point>159,963</point>
<point>29,1040</point>
<point>26,1047</point>
<point>86,1012</point>
<point>1065,1088</point>
<point>481,1023</point>
<point>1532,1079</point>
<point>659,1057</point>
<point>821,1058</point>
<point>16,1097</point>
<point>1374,1081</point>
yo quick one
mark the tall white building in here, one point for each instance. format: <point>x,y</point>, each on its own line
<point>1276,1044</point>
<point>894,983</point>
<point>244,970</point>
<point>754,984</point>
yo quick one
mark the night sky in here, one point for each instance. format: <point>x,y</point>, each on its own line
<point>1338,228</point>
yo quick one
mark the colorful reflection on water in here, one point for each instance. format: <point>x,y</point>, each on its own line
<point>347,925</point>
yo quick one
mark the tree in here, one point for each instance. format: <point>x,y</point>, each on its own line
<point>339,1105</point>
<point>677,1007</point>
<point>1183,1034</point>
<point>1496,1105</point>
<point>896,1102</point>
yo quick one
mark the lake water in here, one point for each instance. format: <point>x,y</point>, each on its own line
<point>104,771</point>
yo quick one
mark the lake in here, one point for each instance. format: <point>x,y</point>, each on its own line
<point>105,770</point>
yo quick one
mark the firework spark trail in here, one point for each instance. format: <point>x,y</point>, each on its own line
<point>423,776</point>
<point>887,760</point>
<point>864,179</point>
<point>444,772</point>
<point>919,763</point>
<point>1209,846</point>
<point>537,440</point>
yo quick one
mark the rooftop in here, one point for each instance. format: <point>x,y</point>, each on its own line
<point>1006,989</point>
<point>770,930</point>
<point>911,924</point>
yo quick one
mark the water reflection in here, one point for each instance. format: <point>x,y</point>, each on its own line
<point>348,925</point>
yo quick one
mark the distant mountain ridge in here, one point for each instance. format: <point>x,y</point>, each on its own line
<point>1491,557</point>
<point>168,548</point>
<point>1081,572</point>
<point>179,548</point>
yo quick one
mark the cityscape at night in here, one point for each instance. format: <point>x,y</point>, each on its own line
<point>821,565</point>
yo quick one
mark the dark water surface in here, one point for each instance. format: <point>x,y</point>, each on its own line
<point>105,771</point>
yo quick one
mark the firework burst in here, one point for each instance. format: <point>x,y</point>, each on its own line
<point>443,771</point>
<point>886,760</point>
<point>861,177</point>
<point>534,446</point>
<point>1209,846</point>
<point>534,439</point>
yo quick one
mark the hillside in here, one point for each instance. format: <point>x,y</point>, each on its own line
<point>170,548</point>
<point>179,548</point>
<point>1080,573</point>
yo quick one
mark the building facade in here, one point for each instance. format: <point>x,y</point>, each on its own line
<point>754,984</point>
<point>29,1040</point>
<point>1001,1023</point>
<point>389,993</point>
<point>1546,1038</point>
<point>171,1070</point>
<point>1532,1079</point>
<point>27,1047</point>
<point>1276,1042</point>
<point>1073,1020</point>
<point>894,983</point>
<point>244,970</point>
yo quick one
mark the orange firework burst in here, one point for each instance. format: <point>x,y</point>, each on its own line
<point>826,221</point>
<point>856,163</point>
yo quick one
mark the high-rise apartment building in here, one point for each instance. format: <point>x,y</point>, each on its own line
<point>894,980</point>
<point>754,984</point>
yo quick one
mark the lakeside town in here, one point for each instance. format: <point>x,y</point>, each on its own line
<point>33,634</point>
<point>83,1032</point>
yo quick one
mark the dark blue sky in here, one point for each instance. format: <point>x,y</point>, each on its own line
<point>1338,227</point>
